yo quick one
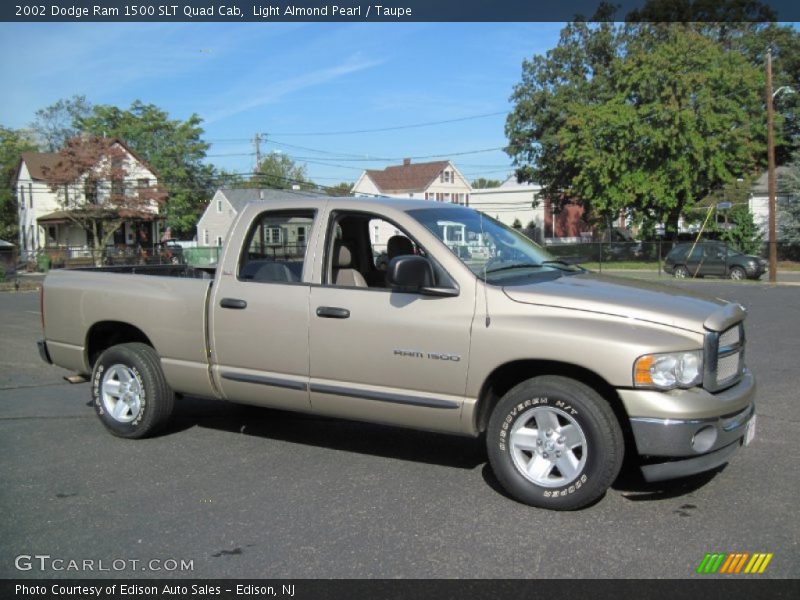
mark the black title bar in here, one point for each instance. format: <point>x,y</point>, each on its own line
<point>386,10</point>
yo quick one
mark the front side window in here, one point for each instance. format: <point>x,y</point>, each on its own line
<point>275,250</point>
<point>491,250</point>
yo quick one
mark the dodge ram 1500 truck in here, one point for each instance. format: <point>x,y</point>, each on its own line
<point>465,326</point>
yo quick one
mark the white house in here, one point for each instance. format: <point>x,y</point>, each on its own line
<point>511,202</point>
<point>439,181</point>
<point>43,214</point>
<point>212,228</point>
<point>759,199</point>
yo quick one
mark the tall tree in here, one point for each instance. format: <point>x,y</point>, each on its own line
<point>173,148</point>
<point>278,171</point>
<point>340,189</point>
<point>91,180</point>
<point>788,217</point>
<point>647,118</point>
<point>483,183</point>
<point>57,123</point>
<point>12,144</point>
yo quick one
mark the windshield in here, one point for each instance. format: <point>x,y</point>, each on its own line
<point>490,249</point>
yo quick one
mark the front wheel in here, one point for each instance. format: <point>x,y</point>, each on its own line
<point>130,393</point>
<point>681,272</point>
<point>737,273</point>
<point>555,443</point>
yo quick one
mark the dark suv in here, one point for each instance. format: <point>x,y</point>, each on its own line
<point>712,258</point>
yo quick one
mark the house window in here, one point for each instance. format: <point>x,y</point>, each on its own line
<point>117,188</point>
<point>143,183</point>
<point>205,237</point>
<point>22,197</point>
<point>51,235</point>
<point>446,197</point>
<point>66,195</point>
<point>219,241</point>
<point>30,195</point>
<point>31,238</point>
<point>273,235</point>
<point>219,206</point>
<point>301,235</point>
<point>90,191</point>
<point>446,177</point>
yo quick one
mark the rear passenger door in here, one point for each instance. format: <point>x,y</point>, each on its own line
<point>259,314</point>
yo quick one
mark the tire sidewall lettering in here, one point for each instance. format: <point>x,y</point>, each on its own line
<point>512,416</point>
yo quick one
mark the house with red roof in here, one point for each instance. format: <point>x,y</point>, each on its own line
<point>439,181</point>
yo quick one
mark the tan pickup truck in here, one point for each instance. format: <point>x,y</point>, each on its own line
<point>463,326</point>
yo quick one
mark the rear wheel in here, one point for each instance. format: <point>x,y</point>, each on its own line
<point>681,272</point>
<point>131,395</point>
<point>555,443</point>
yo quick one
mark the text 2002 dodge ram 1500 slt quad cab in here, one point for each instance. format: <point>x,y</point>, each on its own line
<point>469,328</point>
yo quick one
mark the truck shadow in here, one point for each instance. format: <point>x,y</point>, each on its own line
<point>324,432</point>
<point>393,442</point>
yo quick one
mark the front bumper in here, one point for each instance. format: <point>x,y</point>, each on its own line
<point>690,439</point>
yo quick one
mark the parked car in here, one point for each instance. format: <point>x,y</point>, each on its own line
<point>712,258</point>
<point>563,370</point>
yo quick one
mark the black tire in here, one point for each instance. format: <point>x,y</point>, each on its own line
<point>147,404</point>
<point>681,272</point>
<point>737,273</point>
<point>599,457</point>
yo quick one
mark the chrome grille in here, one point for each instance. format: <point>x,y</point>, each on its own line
<point>724,358</point>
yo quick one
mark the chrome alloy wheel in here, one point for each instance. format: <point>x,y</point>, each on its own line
<point>548,446</point>
<point>122,393</point>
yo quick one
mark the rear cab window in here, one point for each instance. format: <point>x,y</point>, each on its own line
<point>275,247</point>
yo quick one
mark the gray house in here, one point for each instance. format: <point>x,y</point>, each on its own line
<point>212,228</point>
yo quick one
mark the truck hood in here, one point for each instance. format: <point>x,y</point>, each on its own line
<point>630,299</point>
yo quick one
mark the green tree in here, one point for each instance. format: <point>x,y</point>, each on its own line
<point>788,213</point>
<point>482,183</point>
<point>278,171</point>
<point>340,189</point>
<point>747,27</point>
<point>173,148</point>
<point>12,144</point>
<point>742,233</point>
<point>57,123</point>
<point>647,119</point>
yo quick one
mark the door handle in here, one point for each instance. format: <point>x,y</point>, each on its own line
<point>332,312</point>
<point>233,303</point>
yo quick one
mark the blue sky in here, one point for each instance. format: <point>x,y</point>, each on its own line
<point>281,79</point>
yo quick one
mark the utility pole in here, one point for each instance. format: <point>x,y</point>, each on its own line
<point>773,248</point>
<point>257,142</point>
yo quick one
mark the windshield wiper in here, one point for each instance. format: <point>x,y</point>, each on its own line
<point>515,266</point>
<point>560,264</point>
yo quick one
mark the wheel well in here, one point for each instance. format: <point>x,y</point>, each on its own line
<point>105,334</point>
<point>505,377</point>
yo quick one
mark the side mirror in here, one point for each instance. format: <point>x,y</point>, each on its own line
<point>410,273</point>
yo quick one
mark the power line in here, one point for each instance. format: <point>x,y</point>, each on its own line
<point>395,128</point>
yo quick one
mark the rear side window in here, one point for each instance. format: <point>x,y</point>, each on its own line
<point>275,249</point>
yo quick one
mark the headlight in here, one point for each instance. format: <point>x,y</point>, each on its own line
<point>668,371</point>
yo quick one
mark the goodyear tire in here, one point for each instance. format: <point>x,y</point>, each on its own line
<point>130,394</point>
<point>554,443</point>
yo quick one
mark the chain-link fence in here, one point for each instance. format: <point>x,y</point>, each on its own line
<point>655,256</point>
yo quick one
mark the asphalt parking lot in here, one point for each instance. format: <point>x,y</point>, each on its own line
<point>247,492</point>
